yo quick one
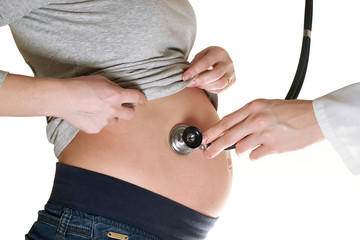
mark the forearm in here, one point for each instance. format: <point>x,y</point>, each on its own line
<point>29,96</point>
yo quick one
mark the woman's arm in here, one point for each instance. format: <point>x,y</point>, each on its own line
<point>87,103</point>
<point>27,96</point>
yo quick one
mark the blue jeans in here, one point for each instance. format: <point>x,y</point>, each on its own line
<point>88,205</point>
<point>61,223</point>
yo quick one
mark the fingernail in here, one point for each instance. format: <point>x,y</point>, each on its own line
<point>187,77</point>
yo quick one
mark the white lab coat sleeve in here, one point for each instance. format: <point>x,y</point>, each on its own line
<point>338,115</point>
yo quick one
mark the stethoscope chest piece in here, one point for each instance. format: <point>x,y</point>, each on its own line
<point>184,139</point>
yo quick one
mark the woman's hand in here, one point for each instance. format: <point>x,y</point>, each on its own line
<point>215,68</point>
<point>266,127</point>
<point>93,102</point>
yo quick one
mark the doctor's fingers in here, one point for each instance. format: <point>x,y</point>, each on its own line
<point>247,143</point>
<point>234,135</point>
<point>225,124</point>
<point>261,151</point>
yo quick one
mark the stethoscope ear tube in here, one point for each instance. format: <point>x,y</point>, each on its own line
<point>304,57</point>
<point>305,52</point>
<point>308,14</point>
<point>301,70</point>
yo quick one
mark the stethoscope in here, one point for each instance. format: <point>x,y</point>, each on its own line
<point>185,139</point>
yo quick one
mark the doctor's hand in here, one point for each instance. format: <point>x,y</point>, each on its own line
<point>216,70</point>
<point>265,127</point>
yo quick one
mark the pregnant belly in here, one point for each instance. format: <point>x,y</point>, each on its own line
<point>138,152</point>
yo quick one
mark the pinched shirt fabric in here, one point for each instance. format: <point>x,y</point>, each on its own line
<point>141,44</point>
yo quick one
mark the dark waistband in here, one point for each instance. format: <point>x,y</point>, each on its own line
<point>109,197</point>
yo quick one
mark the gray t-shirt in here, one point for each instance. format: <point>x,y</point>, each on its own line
<point>141,44</point>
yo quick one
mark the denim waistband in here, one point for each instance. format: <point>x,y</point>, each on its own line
<point>112,198</point>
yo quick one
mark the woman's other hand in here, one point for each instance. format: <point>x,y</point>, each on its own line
<point>215,69</point>
<point>265,127</point>
<point>93,102</point>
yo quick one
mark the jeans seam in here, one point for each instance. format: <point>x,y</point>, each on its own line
<point>64,223</point>
<point>70,229</point>
<point>92,227</point>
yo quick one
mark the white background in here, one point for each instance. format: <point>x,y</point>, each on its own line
<point>307,194</point>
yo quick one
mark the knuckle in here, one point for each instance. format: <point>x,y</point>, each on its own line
<point>117,96</point>
<point>225,55</point>
<point>270,140</point>
<point>111,112</point>
<point>221,51</point>
<point>225,123</point>
<point>139,97</point>
<point>217,73</point>
<point>201,53</point>
<point>268,137</point>
<point>261,120</point>
<point>228,140</point>
<point>256,104</point>
<point>212,132</point>
<point>204,63</point>
<point>230,63</point>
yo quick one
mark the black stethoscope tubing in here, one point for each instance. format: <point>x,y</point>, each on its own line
<point>304,57</point>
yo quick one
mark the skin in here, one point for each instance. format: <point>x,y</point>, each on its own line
<point>218,61</point>
<point>88,103</point>
<point>265,127</point>
<point>131,143</point>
